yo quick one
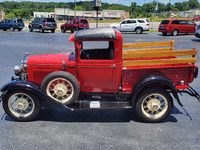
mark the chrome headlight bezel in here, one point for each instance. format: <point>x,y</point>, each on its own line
<point>20,70</point>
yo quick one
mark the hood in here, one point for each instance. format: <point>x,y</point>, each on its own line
<point>52,59</point>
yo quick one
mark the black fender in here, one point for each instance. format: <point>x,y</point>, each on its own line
<point>153,81</point>
<point>27,86</point>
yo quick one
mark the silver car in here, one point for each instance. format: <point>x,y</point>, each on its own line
<point>197,32</point>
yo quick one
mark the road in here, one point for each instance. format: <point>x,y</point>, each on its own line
<point>94,129</point>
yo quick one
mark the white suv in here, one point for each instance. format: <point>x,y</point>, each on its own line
<point>135,25</point>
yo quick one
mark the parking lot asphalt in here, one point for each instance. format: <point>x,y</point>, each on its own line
<point>94,129</point>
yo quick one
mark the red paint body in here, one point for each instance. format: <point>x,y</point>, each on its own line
<point>104,76</point>
<point>76,23</point>
<point>183,26</point>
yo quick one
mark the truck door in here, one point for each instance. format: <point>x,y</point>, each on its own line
<point>98,71</point>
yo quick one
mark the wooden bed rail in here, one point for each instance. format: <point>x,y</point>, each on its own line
<point>149,44</point>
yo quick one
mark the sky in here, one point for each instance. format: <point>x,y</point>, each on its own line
<point>124,2</point>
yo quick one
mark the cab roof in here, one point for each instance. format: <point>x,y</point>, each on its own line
<point>96,34</point>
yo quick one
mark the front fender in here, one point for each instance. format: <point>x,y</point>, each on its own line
<point>157,80</point>
<point>27,86</point>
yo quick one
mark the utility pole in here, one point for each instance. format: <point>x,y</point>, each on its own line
<point>75,10</point>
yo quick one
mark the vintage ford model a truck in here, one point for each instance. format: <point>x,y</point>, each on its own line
<point>96,78</point>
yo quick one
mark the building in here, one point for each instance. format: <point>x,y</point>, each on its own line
<point>2,14</point>
<point>44,14</point>
<point>191,13</point>
<point>65,13</point>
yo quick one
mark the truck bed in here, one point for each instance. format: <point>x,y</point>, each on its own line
<point>162,59</point>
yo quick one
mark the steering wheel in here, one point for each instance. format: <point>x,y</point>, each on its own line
<point>84,54</point>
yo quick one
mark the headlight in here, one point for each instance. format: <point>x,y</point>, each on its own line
<point>18,70</point>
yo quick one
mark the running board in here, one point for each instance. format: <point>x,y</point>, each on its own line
<point>85,104</point>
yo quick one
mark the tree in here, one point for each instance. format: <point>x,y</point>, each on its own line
<point>193,4</point>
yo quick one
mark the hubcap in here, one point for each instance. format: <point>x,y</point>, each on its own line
<point>60,90</point>
<point>21,105</point>
<point>154,105</point>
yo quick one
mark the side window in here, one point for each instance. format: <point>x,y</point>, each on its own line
<point>128,21</point>
<point>68,22</point>
<point>141,21</point>
<point>77,21</point>
<point>190,23</point>
<point>73,21</point>
<point>132,21</point>
<point>124,22</point>
<point>175,22</point>
<point>104,50</point>
<point>183,22</point>
<point>42,20</point>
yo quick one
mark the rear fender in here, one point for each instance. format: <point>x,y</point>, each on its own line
<point>27,86</point>
<point>156,81</point>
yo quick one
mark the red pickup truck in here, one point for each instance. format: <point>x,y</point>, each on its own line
<point>102,73</point>
<point>75,25</point>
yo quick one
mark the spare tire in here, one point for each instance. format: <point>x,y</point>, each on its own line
<point>62,87</point>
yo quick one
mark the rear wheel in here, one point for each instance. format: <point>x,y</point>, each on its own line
<point>175,32</point>
<point>154,105</point>
<point>41,30</point>
<point>63,30</point>
<point>53,30</point>
<point>4,29</point>
<point>138,30</point>
<point>21,105</point>
<point>19,29</point>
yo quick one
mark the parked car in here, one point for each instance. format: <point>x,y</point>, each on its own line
<point>197,32</point>
<point>101,75</point>
<point>75,25</point>
<point>132,25</point>
<point>176,26</point>
<point>12,24</point>
<point>196,18</point>
<point>43,24</point>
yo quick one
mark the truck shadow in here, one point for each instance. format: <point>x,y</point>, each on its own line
<point>106,115</point>
<point>195,40</point>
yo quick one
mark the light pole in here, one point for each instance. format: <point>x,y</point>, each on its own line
<point>75,10</point>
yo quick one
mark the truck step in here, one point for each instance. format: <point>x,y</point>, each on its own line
<point>85,104</point>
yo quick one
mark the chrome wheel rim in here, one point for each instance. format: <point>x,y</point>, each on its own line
<point>175,33</point>
<point>21,105</point>
<point>60,89</point>
<point>11,28</point>
<point>154,106</point>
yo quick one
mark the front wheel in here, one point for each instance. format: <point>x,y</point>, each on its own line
<point>12,28</point>
<point>164,33</point>
<point>19,29</point>
<point>21,105</point>
<point>154,105</point>
<point>52,30</point>
<point>30,29</point>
